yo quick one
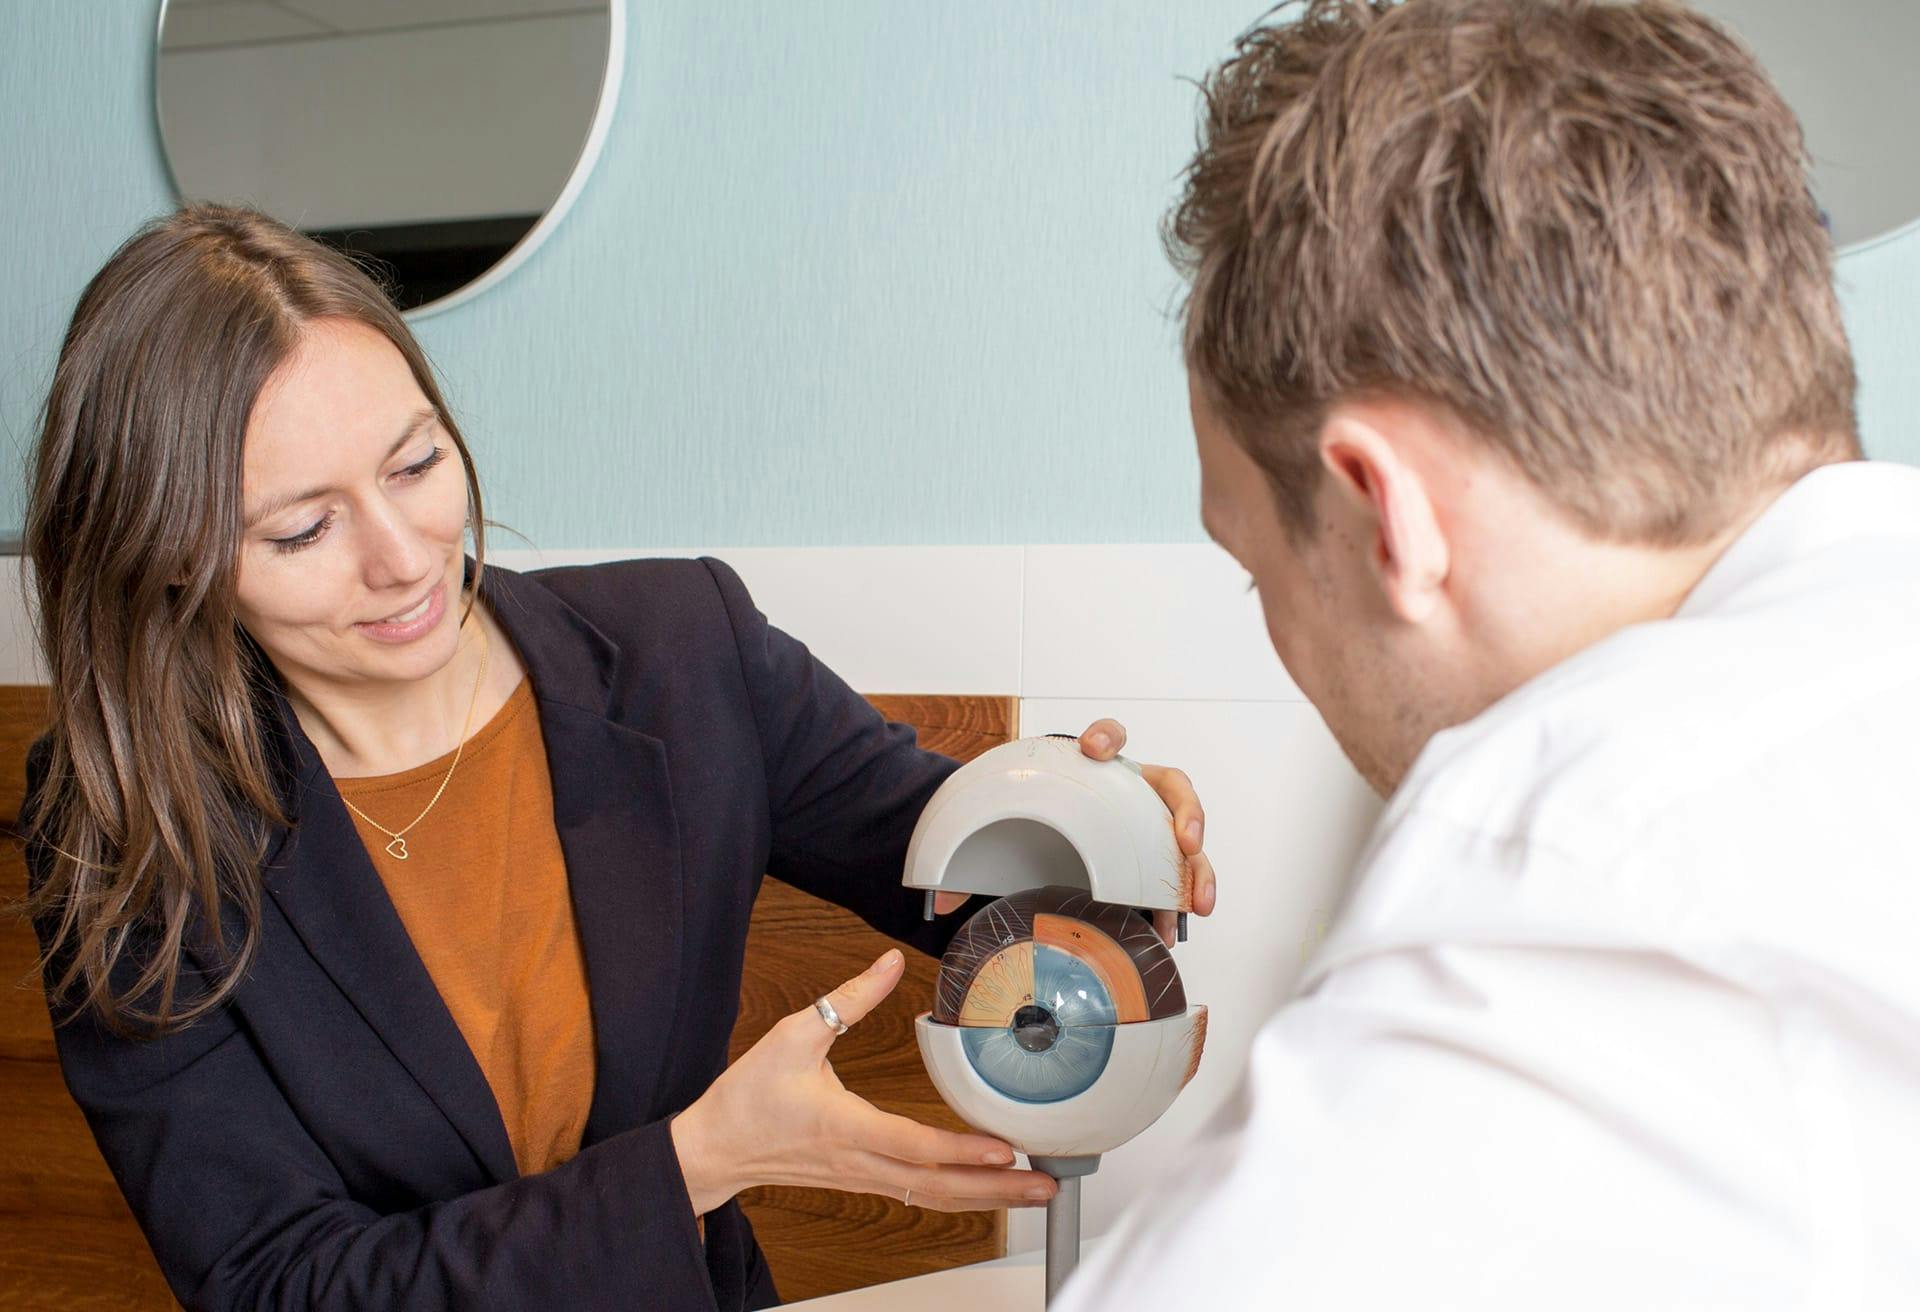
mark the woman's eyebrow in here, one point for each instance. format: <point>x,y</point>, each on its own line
<point>274,505</point>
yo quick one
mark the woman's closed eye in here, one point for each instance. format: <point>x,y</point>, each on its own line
<point>306,537</point>
<point>314,532</point>
<point>419,467</point>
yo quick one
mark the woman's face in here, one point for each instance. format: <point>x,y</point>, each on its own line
<point>351,555</point>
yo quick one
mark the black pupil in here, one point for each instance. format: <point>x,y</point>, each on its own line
<point>1034,1028</point>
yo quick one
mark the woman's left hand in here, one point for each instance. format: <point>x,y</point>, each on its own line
<point>1102,741</point>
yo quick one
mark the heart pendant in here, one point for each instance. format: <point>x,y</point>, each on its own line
<point>397,849</point>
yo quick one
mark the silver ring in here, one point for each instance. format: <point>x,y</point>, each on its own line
<point>829,1015</point>
<point>908,1200</point>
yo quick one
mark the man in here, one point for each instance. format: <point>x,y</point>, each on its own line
<point>1521,390</point>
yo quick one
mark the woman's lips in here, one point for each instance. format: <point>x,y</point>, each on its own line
<point>408,630</point>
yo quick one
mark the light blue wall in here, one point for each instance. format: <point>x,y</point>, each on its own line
<point>849,271</point>
<point>1880,288</point>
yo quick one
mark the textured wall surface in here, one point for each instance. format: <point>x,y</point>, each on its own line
<point>1880,288</point>
<point>860,272</point>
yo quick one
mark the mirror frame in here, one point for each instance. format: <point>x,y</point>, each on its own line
<point>521,250</point>
<point>1910,228</point>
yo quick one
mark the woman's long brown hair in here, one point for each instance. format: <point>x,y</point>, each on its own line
<point>159,796</point>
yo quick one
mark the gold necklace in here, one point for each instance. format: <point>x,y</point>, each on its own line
<point>397,844</point>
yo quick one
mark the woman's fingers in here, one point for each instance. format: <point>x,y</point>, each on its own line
<point>908,1140</point>
<point>1189,831</point>
<point>854,999</point>
<point>1206,891</point>
<point>971,1204</point>
<point>945,902</point>
<point>1176,790</point>
<point>979,1186</point>
<point>1167,925</point>
<point>1103,739</point>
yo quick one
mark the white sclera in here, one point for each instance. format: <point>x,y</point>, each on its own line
<point>1145,1071</point>
<point>1037,811</point>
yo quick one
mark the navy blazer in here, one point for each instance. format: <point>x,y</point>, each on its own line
<point>327,1139</point>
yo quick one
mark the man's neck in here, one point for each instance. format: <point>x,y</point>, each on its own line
<point>1585,591</point>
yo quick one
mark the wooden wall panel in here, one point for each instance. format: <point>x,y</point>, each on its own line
<point>68,1241</point>
<point>25,1032</point>
<point>52,1262</point>
<point>23,715</point>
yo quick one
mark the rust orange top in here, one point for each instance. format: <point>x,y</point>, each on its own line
<point>483,894</point>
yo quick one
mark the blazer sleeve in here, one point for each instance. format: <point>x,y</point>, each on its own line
<point>244,1209</point>
<point>844,786</point>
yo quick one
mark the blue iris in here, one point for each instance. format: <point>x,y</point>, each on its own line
<point>1057,1046</point>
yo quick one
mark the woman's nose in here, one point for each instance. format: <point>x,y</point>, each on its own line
<point>397,552</point>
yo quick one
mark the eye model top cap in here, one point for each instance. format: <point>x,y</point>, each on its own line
<point>1038,811</point>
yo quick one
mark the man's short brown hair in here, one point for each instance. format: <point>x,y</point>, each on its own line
<point>1584,230</point>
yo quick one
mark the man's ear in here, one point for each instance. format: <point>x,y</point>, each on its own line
<point>1385,496</point>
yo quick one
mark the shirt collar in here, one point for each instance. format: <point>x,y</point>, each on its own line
<point>1852,501</point>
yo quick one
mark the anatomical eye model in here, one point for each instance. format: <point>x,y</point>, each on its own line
<point>1058,1022</point>
<point>1038,980</point>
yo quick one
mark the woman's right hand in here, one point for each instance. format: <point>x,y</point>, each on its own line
<point>780,1115</point>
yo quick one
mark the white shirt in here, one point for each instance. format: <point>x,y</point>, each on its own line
<point>1623,1011</point>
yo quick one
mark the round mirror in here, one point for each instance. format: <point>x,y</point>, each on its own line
<point>1846,67</point>
<point>445,138</point>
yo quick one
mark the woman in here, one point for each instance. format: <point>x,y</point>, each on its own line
<point>394,907</point>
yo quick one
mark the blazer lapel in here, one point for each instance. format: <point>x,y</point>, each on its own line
<point>325,884</point>
<point>613,810</point>
<point>614,813</point>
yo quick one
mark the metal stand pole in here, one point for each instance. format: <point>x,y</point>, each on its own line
<point>1063,1236</point>
<point>1063,1216</point>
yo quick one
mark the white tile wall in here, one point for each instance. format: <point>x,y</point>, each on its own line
<point>884,618</point>
<point>1146,621</point>
<point>1140,622</point>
